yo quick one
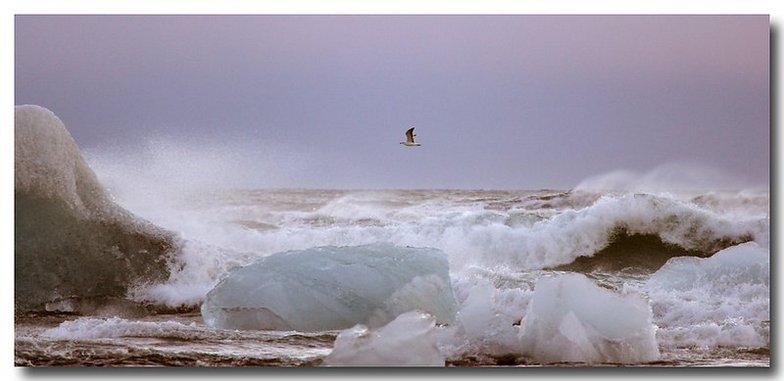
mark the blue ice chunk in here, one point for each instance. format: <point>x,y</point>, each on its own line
<point>326,288</point>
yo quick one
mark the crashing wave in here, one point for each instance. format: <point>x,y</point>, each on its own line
<point>113,327</point>
<point>582,232</point>
<point>572,234</point>
<point>71,240</point>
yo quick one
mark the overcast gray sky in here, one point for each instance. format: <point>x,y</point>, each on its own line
<point>521,102</point>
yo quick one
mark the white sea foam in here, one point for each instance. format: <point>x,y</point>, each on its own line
<point>499,233</point>
<point>575,233</point>
<point>240,227</point>
<point>113,327</point>
<point>195,271</point>
<point>496,244</point>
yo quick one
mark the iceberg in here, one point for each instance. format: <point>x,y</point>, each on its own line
<point>571,319</point>
<point>71,241</point>
<point>744,264</point>
<point>727,298</point>
<point>326,288</point>
<point>409,340</point>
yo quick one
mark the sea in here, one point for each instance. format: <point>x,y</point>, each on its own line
<point>706,308</point>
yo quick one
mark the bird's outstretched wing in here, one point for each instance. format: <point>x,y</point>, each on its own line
<point>410,135</point>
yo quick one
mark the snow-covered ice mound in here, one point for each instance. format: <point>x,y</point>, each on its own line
<point>409,340</point>
<point>728,298</point>
<point>571,319</point>
<point>326,288</point>
<point>71,240</point>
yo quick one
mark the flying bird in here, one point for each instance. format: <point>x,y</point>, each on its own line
<point>410,139</point>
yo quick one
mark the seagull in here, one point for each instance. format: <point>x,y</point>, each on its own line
<point>410,139</point>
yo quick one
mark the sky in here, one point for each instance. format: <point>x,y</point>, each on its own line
<point>498,102</point>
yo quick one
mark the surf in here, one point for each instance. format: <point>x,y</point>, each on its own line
<point>128,250</point>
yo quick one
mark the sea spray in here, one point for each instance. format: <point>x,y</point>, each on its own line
<point>679,178</point>
<point>495,228</point>
<point>492,298</point>
<point>498,245</point>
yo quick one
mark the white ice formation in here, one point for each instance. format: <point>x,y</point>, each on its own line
<point>723,300</point>
<point>71,240</point>
<point>409,340</point>
<point>571,319</point>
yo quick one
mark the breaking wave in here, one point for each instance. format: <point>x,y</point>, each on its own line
<point>81,250</point>
<point>576,231</point>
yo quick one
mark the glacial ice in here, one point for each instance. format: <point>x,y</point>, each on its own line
<point>571,319</point>
<point>481,326</point>
<point>723,300</point>
<point>71,241</point>
<point>744,264</point>
<point>331,287</point>
<point>409,340</point>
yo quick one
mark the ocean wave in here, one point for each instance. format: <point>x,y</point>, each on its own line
<point>578,231</point>
<point>632,253</point>
<point>586,232</point>
<point>113,327</point>
<point>220,230</point>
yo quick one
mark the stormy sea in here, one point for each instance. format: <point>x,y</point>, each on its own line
<point>114,276</point>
